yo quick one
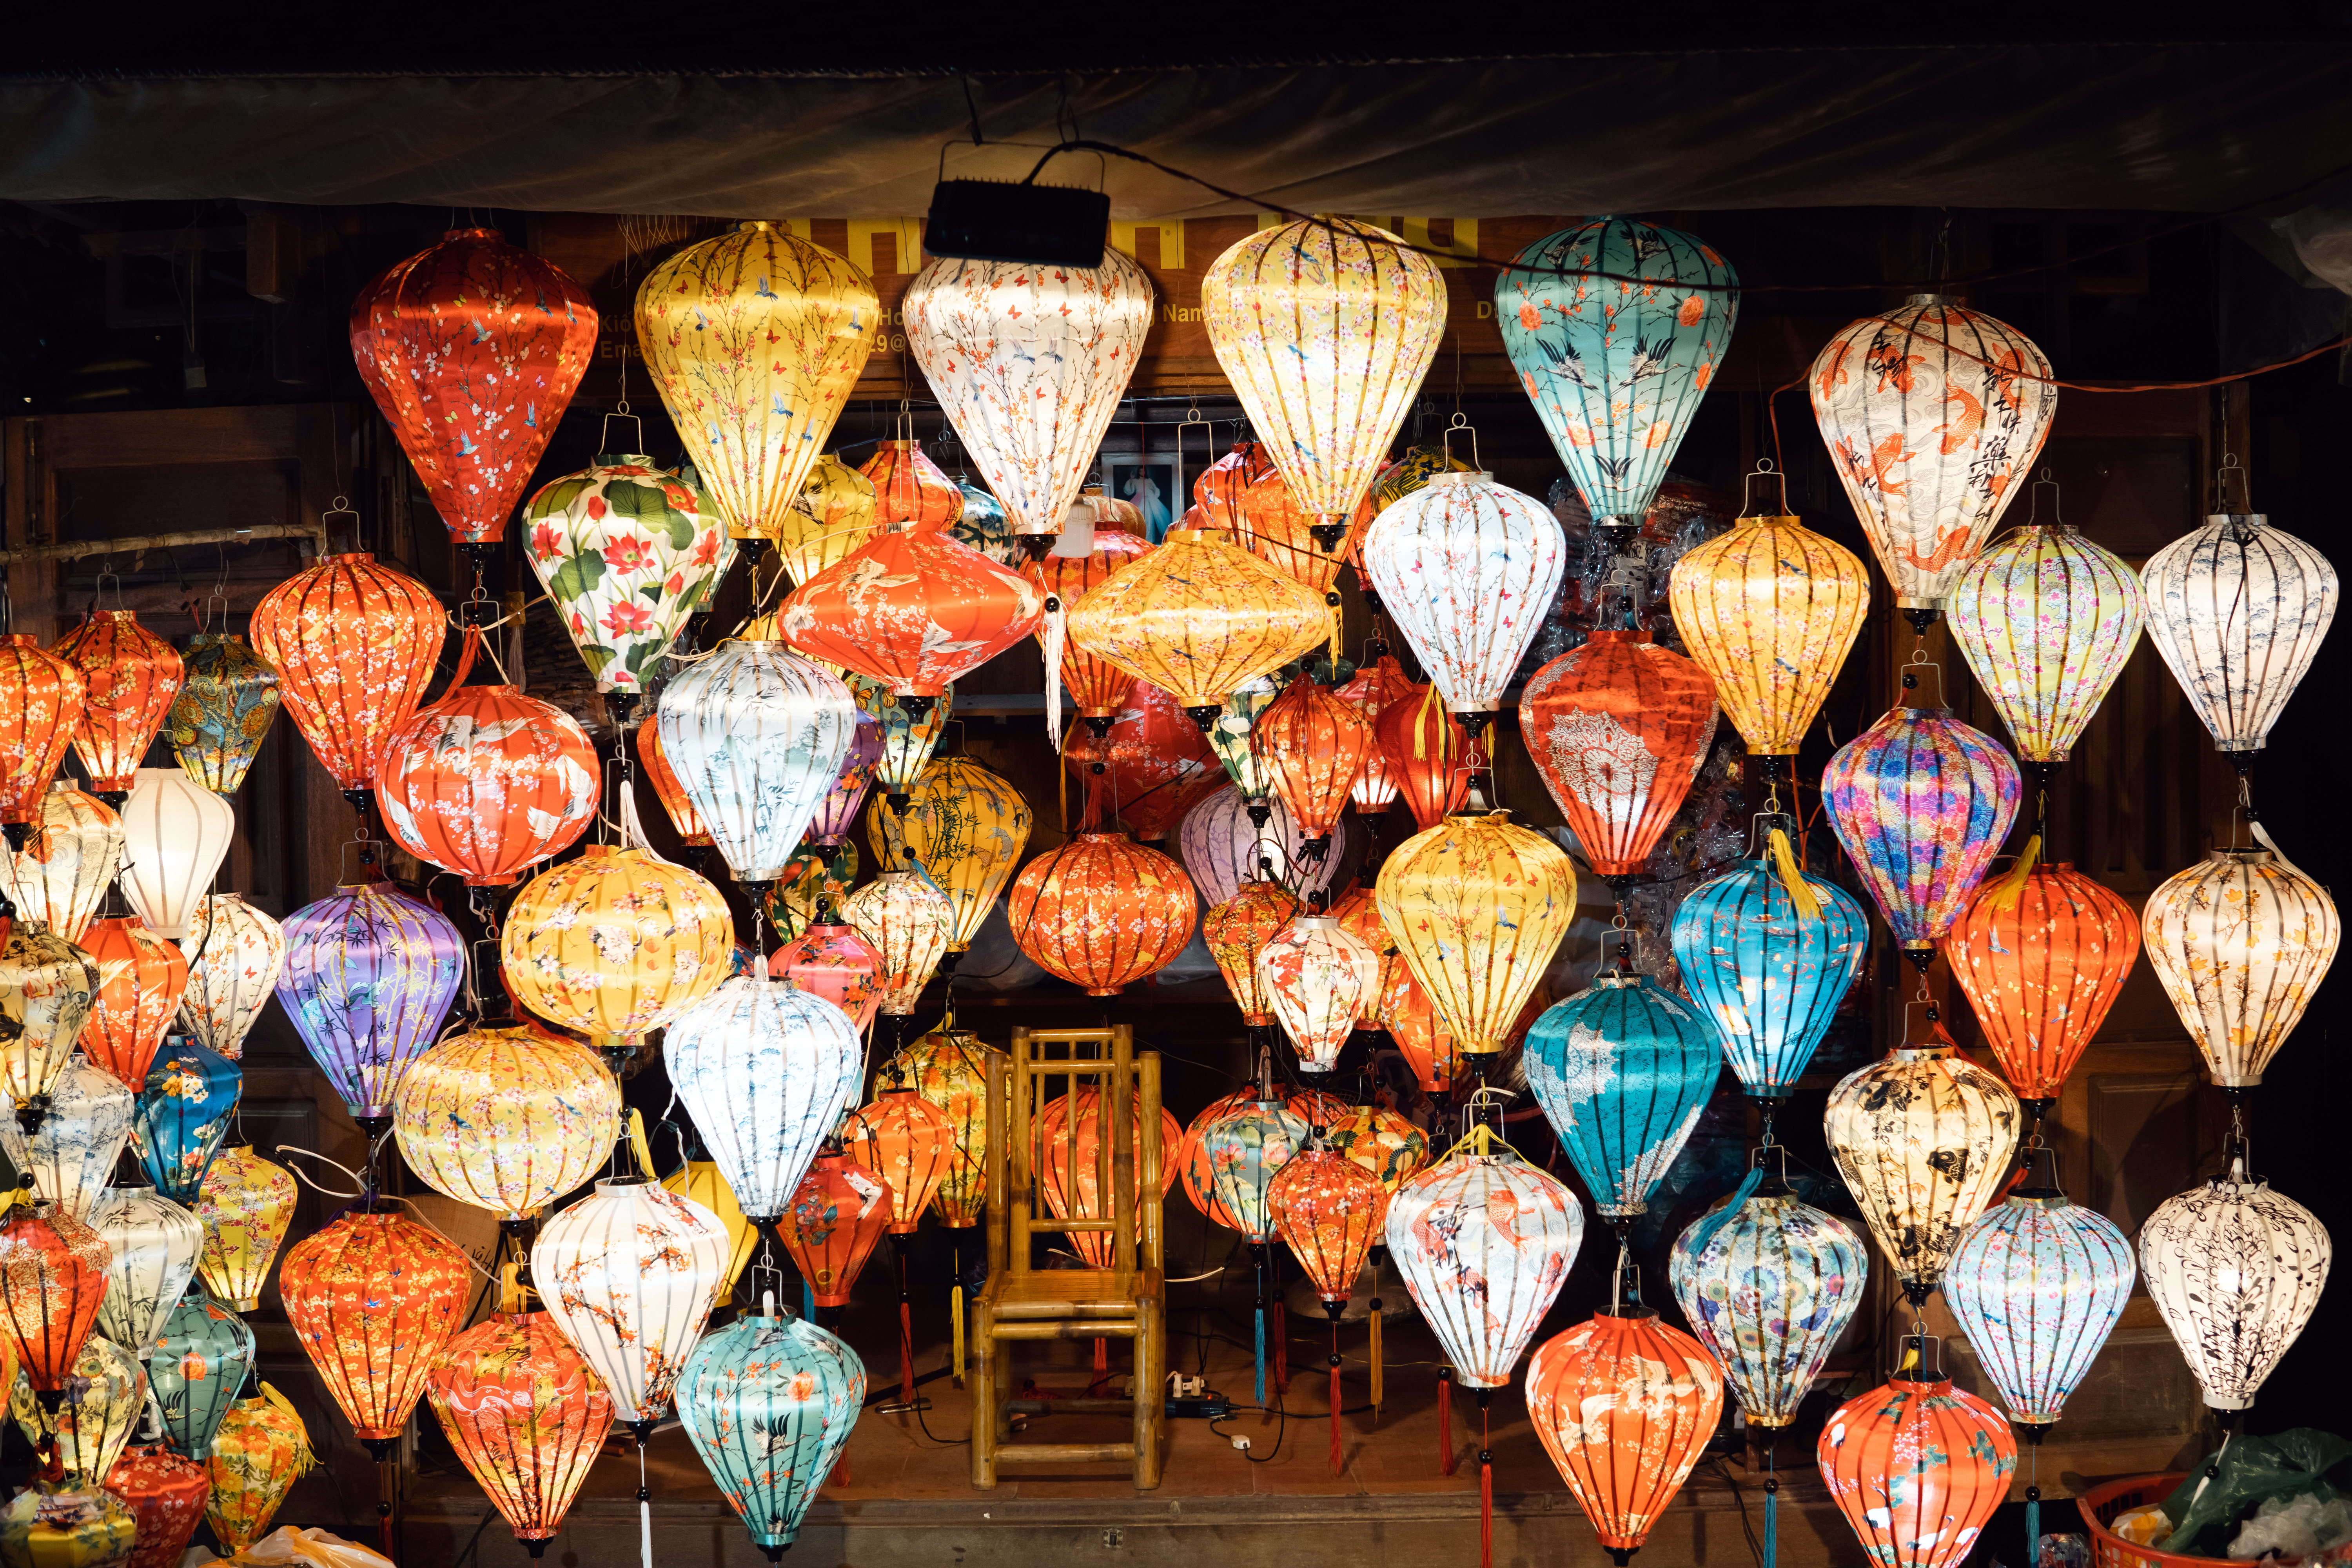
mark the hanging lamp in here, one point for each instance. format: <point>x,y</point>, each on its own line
<point>829,959</point>
<point>234,955</point>
<point>1147,770</point>
<point>176,836</point>
<point>86,1431</point>
<point>182,1116</point>
<point>948,1067</point>
<point>69,1155</point>
<point>768,1403</point>
<point>261,1450</point>
<point>1070,1164</point>
<point>615,943</point>
<point>962,826</point>
<point>1315,745</point>
<point>1225,844</point>
<point>1318,976</point>
<point>1428,754</point>
<point>195,1367</point>
<point>907,920</point>
<point>2240,941</point>
<point>838,1215</point>
<point>910,732</point>
<point>1235,932</point>
<point>527,1416</point>
<point>244,1205</point>
<point>53,1272</point>
<point>1102,912</point>
<point>2041,961</point>
<point>1374,689</point>
<point>676,804</point>
<point>370,973</point>
<point>1618,728</point>
<point>1331,1213</point>
<point>507,1120</point>
<point>142,979</point>
<point>226,703</point>
<point>835,512</point>
<point>1918,1467</point>
<point>764,1069</point>
<point>130,676</point>
<point>374,1297</point>
<point>152,1245</point>
<point>913,609</point>
<point>70,856</point>
<point>41,698</point>
<point>838,811</point>
<point>1623,1071</point>
<point>1098,687</point>
<point>2235,1270</point>
<point>166,1494</point>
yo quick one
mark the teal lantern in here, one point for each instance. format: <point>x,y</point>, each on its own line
<point>182,1116</point>
<point>226,701</point>
<point>196,1369</point>
<point>768,1402</point>
<point>1232,737</point>
<point>1623,1071</point>
<point>1616,368</point>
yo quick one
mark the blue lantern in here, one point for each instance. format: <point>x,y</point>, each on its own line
<point>1769,1282</point>
<point>2038,1283</point>
<point>1623,1071</point>
<point>768,1402</point>
<point>1766,975</point>
<point>1616,368</point>
<point>182,1116</point>
<point>196,1369</point>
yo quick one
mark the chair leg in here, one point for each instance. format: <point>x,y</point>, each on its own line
<point>1151,1395</point>
<point>986,1393</point>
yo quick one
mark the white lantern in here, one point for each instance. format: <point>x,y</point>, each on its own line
<point>1319,977</point>
<point>235,952</point>
<point>630,1274</point>
<point>756,734</point>
<point>2238,610</point>
<point>71,1155</point>
<point>176,836</point>
<point>2240,941</point>
<point>155,1243</point>
<point>764,1069</point>
<point>909,923</point>
<point>1469,570</point>
<point>1029,363</point>
<point>1484,1241</point>
<point>2234,1270</point>
<point>1220,847</point>
<point>60,877</point>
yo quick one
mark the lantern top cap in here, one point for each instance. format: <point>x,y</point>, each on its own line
<point>639,1182</point>
<point>1305,921</point>
<point>1197,535</point>
<point>1458,477</point>
<point>452,234</point>
<point>2239,857</point>
<point>1627,1311</point>
<point>1923,1385</point>
<point>1929,300</point>
<point>2248,520</point>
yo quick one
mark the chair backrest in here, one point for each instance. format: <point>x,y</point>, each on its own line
<point>1073,1148</point>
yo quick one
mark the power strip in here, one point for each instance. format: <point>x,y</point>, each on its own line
<point>1209,1407</point>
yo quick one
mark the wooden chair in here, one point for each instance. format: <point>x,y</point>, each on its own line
<point>1127,1299</point>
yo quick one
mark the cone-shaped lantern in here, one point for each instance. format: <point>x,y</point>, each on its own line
<point>1156,765</point>
<point>1318,977</point>
<point>1102,912</point>
<point>354,643</point>
<point>47,987</point>
<point>1921,803</point>
<point>1623,1071</point>
<point>235,955</point>
<point>2240,941</point>
<point>1224,844</point>
<point>1315,744</point>
<point>1199,617</point>
<point>52,1277</point>
<point>197,1364</point>
<point>1623,1404</point>
<point>2046,620</point>
<point>71,1153</point>
<point>911,608</point>
<point>964,829</point>
<point>506,1120</point>
<point>373,1299</point>
<point>223,711</point>
<point>1427,750</point>
<point>1618,728</point>
<point>244,1205</point>
<point>838,1215</point>
<point>525,1415</point>
<point>41,698</point>
<point>1484,1241</point>
<point>630,1274</point>
<point>2038,1284</point>
<point>60,877</point>
<point>182,1116</point>
<point>764,1070</point>
<point>1187,1164</point>
<point>1917,1468</point>
<point>768,1402</point>
<point>2238,610</point>
<point>1237,931</point>
<point>2235,1270</point>
<point>907,920</point>
<point>370,973</point>
<point>141,979</point>
<point>130,676</point>
<point>756,736</point>
<point>152,1243</point>
<point>2041,962</point>
<point>1768,1286</point>
<point>1767,975</point>
<point>1771,610</point>
<point>615,943</point>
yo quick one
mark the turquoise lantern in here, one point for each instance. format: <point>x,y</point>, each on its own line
<point>1622,1070</point>
<point>1245,1150</point>
<point>196,1368</point>
<point>768,1402</point>
<point>182,1116</point>
<point>1616,368</point>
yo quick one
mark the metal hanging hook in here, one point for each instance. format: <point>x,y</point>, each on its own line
<point>2230,465</point>
<point>1763,470</point>
<point>1460,422</point>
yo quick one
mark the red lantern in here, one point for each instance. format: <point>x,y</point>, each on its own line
<point>1099,688</point>
<point>909,486</point>
<point>911,608</point>
<point>525,1415</point>
<point>167,1495</point>
<point>1069,1166</point>
<point>1370,692</point>
<point>1236,932</point>
<point>1314,743</point>
<point>355,644</point>
<point>2042,962</point>
<point>1358,914</point>
<point>141,978</point>
<point>1427,750</point>
<point>1916,1468</point>
<point>1618,728</point>
<point>473,348</point>
<point>487,781</point>
<point>52,1277</point>
<point>1623,1404</point>
<point>1155,764</point>
<point>675,802</point>
<point>1330,1212</point>
<point>1103,912</point>
<point>837,1216</point>
<point>130,676</point>
<point>907,1143</point>
<point>374,1297</point>
<point>829,959</point>
<point>41,698</point>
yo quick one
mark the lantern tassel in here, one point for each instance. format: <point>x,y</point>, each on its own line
<point>644,1512</point>
<point>2011,886</point>
<point>1261,1351</point>
<point>1485,1490</point>
<point>1808,903</point>
<point>1430,705</point>
<point>1332,617</point>
<point>1444,1421</point>
<point>808,1301</point>
<point>1338,1466</point>
<point>955,1328</point>
<point>2033,1505</point>
<point>1281,1350</point>
<point>1102,1363</point>
<point>1377,1369</point>
<point>906,1328</point>
<point>1056,633</point>
<point>1704,1231</point>
<point>1772,1512</point>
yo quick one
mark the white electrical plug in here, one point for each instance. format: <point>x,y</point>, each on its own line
<point>1242,1443</point>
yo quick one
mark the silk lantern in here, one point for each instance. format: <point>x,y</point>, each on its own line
<point>754,339</point>
<point>1224,846</point>
<point>261,1450</point>
<point>370,973</point>
<point>838,810</point>
<point>195,1366</point>
<point>756,737</point>
<point>2240,941</point>
<point>244,1205</point>
<point>829,959</point>
<point>911,608</point>
<point>2235,1270</point>
<point>130,676</point>
<point>910,731</point>
<point>1623,1405</point>
<point>905,1143</point>
<point>763,1069</point>
<point>1098,687</point>
<point>1616,368</point>
<point>47,987</point>
<point>1766,973</point>
<point>1923,1139</point>
<point>2046,620</point>
<point>1151,768</point>
<point>1477,906</point>
<point>68,1524</point>
<point>355,644</point>
<point>1235,931</point>
<point>768,1402</point>
<point>1485,1240</point>
<point>1315,744</point>
<point>835,512</point>
<point>1618,728</point>
<point>1769,610</point>
<point>615,943</point>
<point>166,1495</point>
<point>676,804</point>
<point>907,485</point>
<point>1381,1143</point>
<point>982,523</point>
<point>1245,492</point>
<point>1768,1283</point>
<point>472,348</point>
<point>183,1114</point>
<point>2038,1283</point>
<point>1102,912</point>
<point>142,979</point>
<point>2238,609</point>
<point>1920,802</point>
<point>1932,412</point>
<point>151,1243</point>
<point>629,1275</point>
<point>907,920</point>
<point>1233,737</point>
<point>223,714</point>
<point>949,1068</point>
<point>52,1278</point>
<point>41,698</point>
<point>175,834</point>
<point>374,1297</point>
<point>506,1120</point>
<point>1917,1468</point>
<point>1371,691</point>
<point>1427,752</point>
<point>527,1416</point>
<point>1190,1164</point>
<point>1623,1071</point>
<point>1429,1047</point>
<point>235,955</point>
<point>1069,1147</point>
<point>964,829</point>
<point>69,859</point>
<point>838,1215</point>
<point>1318,976</point>
<point>1244,1149</point>
<point>2040,962</point>
<point>70,1154</point>
<point>1329,1212</point>
<point>88,1429</point>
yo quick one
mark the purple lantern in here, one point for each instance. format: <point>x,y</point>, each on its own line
<point>838,810</point>
<point>1921,803</point>
<point>370,973</point>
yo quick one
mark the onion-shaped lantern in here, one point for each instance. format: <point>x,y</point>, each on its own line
<point>244,1205</point>
<point>2240,941</point>
<point>676,804</point>
<point>911,608</point>
<point>195,1366</point>
<point>1618,728</point>
<point>835,512</point>
<point>1155,763</point>
<point>1237,931</point>
<point>130,676</point>
<point>1769,610</point>
<point>907,920</point>
<point>106,1397</point>
<point>1427,752</point>
<point>2238,610</point>
<point>2041,962</point>
<point>615,943</point>
<point>1315,744</point>
<point>2038,1283</point>
<point>1769,1284</point>
<point>183,1115</point>
<point>1102,912</point>
<point>355,644</point>
<point>1623,1404</point>
<point>1383,1143</point>
<point>1921,803</point>
<point>1224,844</point>
<point>756,736</point>
<point>261,1450</point>
<point>47,987</point>
<point>1917,1468</point>
<point>909,486</point>
<point>905,1143</point>
<point>166,1495</point>
<point>838,810</point>
<point>1099,688</point>
<point>68,1523</point>
<point>235,955</point>
<point>2235,1270</point>
<point>506,1120</point>
<point>1318,977</point>
<point>373,1299</point>
<point>829,959</point>
<point>1766,974</point>
<point>964,829</point>
<point>910,731</point>
<point>224,711</point>
<point>152,1244</point>
<point>1371,691</point>
<point>764,1070</point>
<point>60,877</point>
<point>838,1215</point>
<point>142,979</point>
<point>1623,1071</point>
<point>2046,620</point>
<point>630,1274</point>
<point>41,698</point>
<point>370,973</point>
<point>52,1278</point>
<point>175,834</point>
<point>950,1067</point>
<point>525,1414</point>
<point>1485,1240</point>
<point>69,1154</point>
<point>768,1402</point>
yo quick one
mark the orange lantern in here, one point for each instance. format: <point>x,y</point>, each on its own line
<point>2042,961</point>
<point>1099,688</point>
<point>1330,1212</point>
<point>1148,768</point>
<point>52,1278</point>
<point>615,943</point>
<point>41,698</point>
<point>130,676</point>
<point>829,959</point>
<point>907,1142</point>
<point>1427,752</point>
<point>1383,1143</point>
<point>1314,742</point>
<point>911,608</point>
<point>1918,1467</point>
<point>1102,912</point>
<point>1372,690</point>
<point>837,1216</point>
<point>1430,1046</point>
<point>1237,931</point>
<point>948,1067</point>
<point>675,802</point>
<point>1069,1166</point>
<point>525,1415</point>
<point>1623,1404</point>
<point>1245,494</point>
<point>1771,610</point>
<point>374,1297</point>
<point>911,488</point>
<point>167,1494</point>
<point>355,644</point>
<point>1358,914</point>
<point>1618,728</point>
<point>1319,977</point>
<point>141,979</point>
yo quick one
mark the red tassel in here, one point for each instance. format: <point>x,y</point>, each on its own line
<point>1339,1462</point>
<point>1444,1424</point>
<point>840,1475</point>
<point>1102,1360</point>
<point>906,1353</point>
<point>1281,1350</point>
<point>1486,1490</point>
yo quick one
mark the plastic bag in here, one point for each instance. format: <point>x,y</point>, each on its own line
<point>287,1544</point>
<point>2142,1526</point>
<point>2252,1469</point>
<point>2301,1526</point>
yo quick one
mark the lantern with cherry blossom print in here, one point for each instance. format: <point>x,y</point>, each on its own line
<point>1618,728</point>
<point>182,1116</point>
<point>69,1154</point>
<point>1771,610</point>
<point>2038,1284</point>
<point>1623,1071</point>
<point>175,834</point>
<point>1371,691</point>
<point>2240,941</point>
<point>1102,912</point>
<point>2040,962</point>
<point>829,959</point>
<point>1150,767</point>
<point>630,1274</point>
<point>1429,1046</point>
<point>235,953</point>
<point>1318,976</point>
<point>838,1215</point>
<point>911,608</point>
<point>1427,752</point>
<point>1237,931</point>
<point>615,943</point>
<point>963,828</point>
<point>1224,844</point>
<point>374,1297</point>
<point>764,1069</point>
<point>907,920</point>
<point>41,698</point>
<point>506,1120</point>
<point>153,1244</point>
<point>768,1402</point>
<point>142,979</point>
<point>52,1276</point>
<point>244,1205</point>
<point>756,736</point>
<point>223,711</point>
<point>907,1143</point>
<point>1244,1149</point>
<point>370,973</point>
<point>1330,1212</point>
<point>1099,688</point>
<point>130,676</point>
<point>1623,1404</point>
<point>526,1414</point>
<point>60,877</point>
<point>676,804</point>
<point>1315,744</point>
<point>47,986</point>
<point>195,1366</point>
<point>2235,1270</point>
<point>2238,609</point>
<point>166,1494</point>
<point>1187,1162</point>
<point>1485,1240</point>
<point>909,486</point>
<point>1917,1468</point>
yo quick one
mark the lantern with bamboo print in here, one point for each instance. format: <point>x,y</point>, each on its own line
<point>768,1402</point>
<point>964,829</point>
<point>142,979</point>
<point>176,835</point>
<point>195,1366</point>
<point>46,988</point>
<point>526,1414</point>
<point>1313,745</point>
<point>167,1493</point>
<point>907,1143</point>
<point>835,513</point>
<point>244,1205</point>
<point>41,698</point>
<point>234,955</point>
<point>508,1119</point>
<point>829,959</point>
<point>70,856</point>
<point>1318,976</point>
<point>130,676</point>
<point>370,973</point>
<point>2041,960</point>
<point>1428,753</point>
<point>1917,1465</point>
<point>1102,912</point>
<point>374,1297</point>
<point>90,1428</point>
<point>151,1243</point>
<point>1330,1210</point>
<point>2241,941</point>
<point>227,700</point>
<point>182,1116</point>
<point>261,1450</point>
<point>68,1157</point>
<point>1623,1071</point>
<point>765,1071</point>
<point>839,1214</point>
<point>948,1067</point>
<point>52,1277</point>
<point>2235,1270</point>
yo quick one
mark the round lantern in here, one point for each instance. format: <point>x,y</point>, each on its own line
<point>629,1275</point>
<point>47,987</point>
<point>1767,974</point>
<point>91,1425</point>
<point>1477,906</point>
<point>615,943</point>
<point>768,1402</point>
<point>1315,745</point>
<point>754,339</point>
<point>373,1299</point>
<point>60,877</point>
<point>1623,1071</point>
<point>130,676</point>
<point>2240,941</point>
<point>910,731</point>
<point>527,1416</point>
<point>838,810</point>
<point>1917,1468</point>
<point>1484,1241</point>
<point>1147,770</point>
<point>2038,1283</point>
<point>175,834</point>
<point>1932,414</point>
<point>909,486</point>
<point>151,1244</point>
<point>1768,1285</point>
<point>235,955</point>
<point>911,608</point>
<point>1468,569</point>
<point>829,959</point>
<point>1769,610</point>
<point>1224,844</point>
<point>838,1215</point>
<point>964,829</point>
<point>764,1070</point>
<point>1381,1143</point>
<point>52,1277</point>
<point>1623,1404</point>
<point>506,1120</point>
<point>142,979</point>
<point>1581,342</point>
<point>1099,688</point>
<point>1235,931</point>
<point>245,1207</point>
<point>1244,1148</point>
<point>835,512</point>
<point>355,644</point>
<point>2238,609</point>
<point>907,920</point>
<point>2041,962</point>
<point>224,711</point>
<point>166,1495</point>
<point>1070,1162</point>
<point>1102,912</point>
<point>626,552</point>
<point>1371,691</point>
<point>756,737</point>
<point>1319,978</point>
<point>370,973</point>
<point>950,1067</point>
<point>676,804</point>
<point>2046,620</point>
<point>196,1365</point>
<point>2235,1270</point>
<point>1618,728</point>
<point>1922,1138</point>
<point>71,1153</point>
<point>261,1450</point>
<point>182,1116</point>
<point>41,698</point>
<point>1427,752</point>
<point>908,1144</point>
<point>1920,802</point>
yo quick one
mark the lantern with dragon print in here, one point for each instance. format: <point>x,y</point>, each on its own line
<point>909,486</point>
<point>1623,1071</point>
<point>527,1416</point>
<point>1315,744</point>
<point>90,1428</point>
<point>764,1069</point>
<point>907,920</point>
<point>1618,728</point>
<point>2041,961</point>
<point>1102,912</point>
<point>1623,1404</point>
<point>1224,844</point>
<point>182,1116</point>
<point>1485,1240</point>
<point>2240,941</point>
<point>1917,1468</point>
<point>176,835</point>
<point>41,698</point>
<point>1769,1282</point>
<point>235,955</point>
<point>195,1366</point>
<point>262,1449</point>
<point>142,980</point>
<point>829,959</point>
<point>374,1297</point>
<point>370,973</point>
<point>757,736</point>
<point>615,943</point>
<point>153,1244</point>
<point>1318,976</point>
<point>676,804</point>
<point>1427,752</point>
<point>838,1215</point>
<point>506,1120</point>
<point>130,676</point>
<point>2235,1270</point>
<point>1099,688</point>
<point>69,1154</point>
<point>1236,932</point>
<point>629,1275</point>
<point>768,1402</point>
<point>60,877</point>
<point>835,513</point>
<point>1769,610</point>
<point>964,829</point>
<point>2238,609</point>
<point>223,711</point>
<point>52,1277</point>
<point>1150,767</point>
<point>46,988</point>
<point>166,1494</point>
<point>911,608</point>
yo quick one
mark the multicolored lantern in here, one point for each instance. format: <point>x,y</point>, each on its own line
<point>244,1205</point>
<point>41,698</point>
<point>838,1215</point>
<point>1318,977</point>
<point>175,834</point>
<point>1379,1141</point>
<point>52,1277</point>
<point>1766,974</point>
<point>1244,1148</point>
<point>1313,745</point>
<point>1236,930</point>
<point>764,1070</point>
<point>370,973</point>
<point>373,1299</point>
<point>1485,1240</point>
<point>756,736</point>
<point>768,1402</point>
<point>907,920</point>
<point>151,1244</point>
<point>2238,609</point>
<point>1224,844</point>
<point>195,1367</point>
<point>182,1116</point>
<point>615,943</point>
<point>166,1494</point>
<point>47,987</point>
<point>2240,941</point>
<point>1102,912</point>
<point>964,829</point>
<point>1188,1161</point>
<point>355,645</point>
<point>2038,1284</point>
<point>1618,728</point>
<point>1098,686</point>
<point>142,978</point>
<point>506,1120</point>
<point>1769,610</point>
<point>235,955</point>
<point>261,1450</point>
<point>829,959</point>
<point>71,1151</point>
<point>911,608</point>
<point>2046,620</point>
<point>68,1525</point>
<point>2235,1270</point>
<point>1427,752</point>
<point>525,1415</point>
<point>1429,1047</point>
<point>88,1428</point>
<point>1477,905</point>
<point>1155,765</point>
<point>1917,1468</point>
<point>910,732</point>
<point>1921,802</point>
<point>1623,1071</point>
<point>1769,1284</point>
<point>226,703</point>
<point>130,676</point>
<point>2041,962</point>
<point>908,1144</point>
<point>630,1274</point>
<point>982,523</point>
<point>1623,1405</point>
<point>60,877</point>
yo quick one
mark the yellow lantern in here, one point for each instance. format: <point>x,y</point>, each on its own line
<point>964,829</point>
<point>244,1205</point>
<point>949,1068</point>
<point>908,921</point>
<point>615,943</point>
<point>1476,906</point>
<point>1771,610</point>
<point>506,1120</point>
<point>262,1449</point>
<point>92,1427</point>
<point>835,512</point>
<point>699,1181</point>
<point>2240,941</point>
<point>755,340</point>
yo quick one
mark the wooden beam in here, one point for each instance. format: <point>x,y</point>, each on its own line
<point>75,550</point>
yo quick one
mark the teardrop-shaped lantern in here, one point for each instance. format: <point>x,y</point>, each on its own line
<point>223,714</point>
<point>71,1153</point>
<point>90,1427</point>
<point>1921,802</point>
<point>2038,1284</point>
<point>47,987</point>
<point>2041,962</point>
<point>1155,763</point>
<point>615,943</point>
<point>911,608</point>
<point>506,1120</point>
<point>838,811</point>
<point>1932,412</point>
<point>1616,368</point>
<point>907,920</point>
<point>1236,930</point>
<point>1371,691</point>
<point>756,737</point>
<point>2235,1270</point>
<point>2046,620</point>
<point>1917,1468</point>
<point>1224,844</point>
<point>1769,1288</point>
<point>52,1278</point>
<point>141,979</point>
<point>768,1402</point>
<point>764,1070</point>
<point>199,1361</point>
<point>41,698</point>
<point>130,676</point>
<point>835,512</point>
<point>183,1115</point>
<point>354,643</point>
<point>1102,912</point>
<point>964,829</point>
<point>1766,975</point>
<point>261,1450</point>
<point>1623,1405</point>
<point>1623,1071</point>
<point>676,804</point>
<point>1427,752</point>
<point>1318,976</point>
<point>153,1244</point>
<point>910,731</point>
<point>235,955</point>
<point>629,1275</point>
<point>949,1069</point>
<point>2238,609</point>
<point>370,973</point>
<point>373,1299</point>
<point>175,834</point>
<point>1315,744</point>
<point>1485,1240</point>
<point>526,1416</point>
<point>60,877</point>
<point>166,1494</point>
<point>244,1205</point>
<point>2240,941</point>
<point>1771,610</point>
<point>1187,1162</point>
<point>1618,728</point>
<point>829,959</point>
<point>1098,687</point>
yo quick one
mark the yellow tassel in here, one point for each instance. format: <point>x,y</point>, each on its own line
<point>1332,615</point>
<point>2011,886</point>
<point>1910,1359</point>
<point>955,1316</point>
<point>638,1141</point>
<point>1430,704</point>
<point>510,1288</point>
<point>1378,1379</point>
<point>1784,862</point>
<point>304,1461</point>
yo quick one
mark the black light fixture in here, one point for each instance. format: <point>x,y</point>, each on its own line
<point>988,220</point>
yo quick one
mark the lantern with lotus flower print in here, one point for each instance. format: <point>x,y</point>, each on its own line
<point>153,1244</point>
<point>964,829</point>
<point>1313,745</point>
<point>60,877</point>
<point>676,804</point>
<point>244,1205</point>
<point>1623,1404</point>
<point>1244,1149</point>
<point>508,1119</point>
<point>835,512</point>
<point>768,1402</point>
<point>227,700</point>
<point>176,835</point>
<point>1485,1240</point>
<point>1330,1212</point>
<point>261,1449</point>
<point>909,486</point>
<point>47,987</point>
<point>2041,961</point>
<point>130,676</point>
<point>374,1297</point>
<point>1318,976</point>
<point>1102,912</point>
<point>907,920</point>
<point>525,1415</point>
<point>182,1116</point>
<point>1618,728</point>
<point>41,698</point>
<point>166,1494</point>
<point>1235,931</point>
<point>2238,609</point>
<point>52,1278</point>
<point>1623,1071</point>
<point>68,1156</point>
<point>1917,1468</point>
<point>234,955</point>
<point>2241,941</point>
<point>765,1070</point>
<point>756,736</point>
<point>838,1215</point>
<point>142,979</point>
<point>1767,1282</point>
<point>829,959</point>
<point>1098,687</point>
<point>370,973</point>
<point>1151,768</point>
<point>913,609</point>
<point>86,1431</point>
<point>1224,844</point>
<point>195,1366</point>
<point>615,943</point>
<point>1427,752</point>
